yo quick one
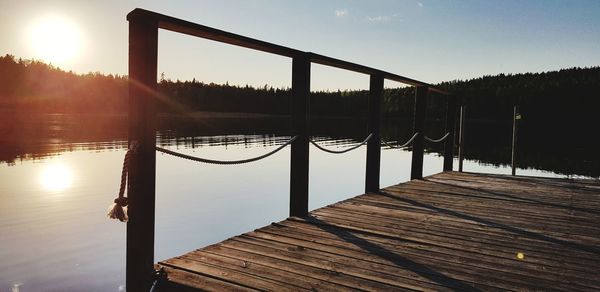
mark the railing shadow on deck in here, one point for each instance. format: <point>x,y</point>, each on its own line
<point>391,256</point>
<point>551,182</point>
<point>516,230</point>
<point>515,198</point>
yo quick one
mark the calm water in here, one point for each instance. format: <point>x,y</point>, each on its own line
<point>60,173</point>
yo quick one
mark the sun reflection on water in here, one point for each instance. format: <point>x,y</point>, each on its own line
<point>56,177</point>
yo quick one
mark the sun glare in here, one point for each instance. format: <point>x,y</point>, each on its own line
<point>55,40</point>
<point>56,177</point>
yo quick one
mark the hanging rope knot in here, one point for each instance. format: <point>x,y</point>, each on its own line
<point>121,201</point>
<point>118,210</point>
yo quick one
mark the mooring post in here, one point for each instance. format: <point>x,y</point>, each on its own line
<point>450,124</point>
<point>300,127</point>
<point>374,144</point>
<point>513,160</point>
<point>461,138</point>
<point>143,42</point>
<point>416,169</point>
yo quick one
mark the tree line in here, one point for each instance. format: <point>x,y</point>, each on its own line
<point>29,85</point>
<point>564,95</point>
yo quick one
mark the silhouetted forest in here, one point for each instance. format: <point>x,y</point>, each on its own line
<point>27,85</point>
<point>557,96</point>
<point>569,94</point>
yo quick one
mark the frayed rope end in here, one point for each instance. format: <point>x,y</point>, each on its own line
<point>118,210</point>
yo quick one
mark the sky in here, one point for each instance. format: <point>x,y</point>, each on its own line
<point>428,40</point>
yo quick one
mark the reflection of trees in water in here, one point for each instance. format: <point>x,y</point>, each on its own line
<point>541,146</point>
<point>35,136</point>
<point>25,136</point>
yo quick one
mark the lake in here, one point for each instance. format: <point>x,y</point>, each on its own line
<point>61,172</point>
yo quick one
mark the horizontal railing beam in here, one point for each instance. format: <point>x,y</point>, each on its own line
<point>337,63</point>
<point>194,29</point>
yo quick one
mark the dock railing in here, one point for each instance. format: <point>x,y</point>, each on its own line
<point>143,53</point>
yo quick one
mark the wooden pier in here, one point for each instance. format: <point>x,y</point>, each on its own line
<point>450,231</point>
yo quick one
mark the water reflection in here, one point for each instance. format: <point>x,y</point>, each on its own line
<point>195,203</point>
<point>37,136</point>
<point>56,177</point>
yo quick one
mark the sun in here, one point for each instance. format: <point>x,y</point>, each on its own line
<point>56,177</point>
<point>55,40</point>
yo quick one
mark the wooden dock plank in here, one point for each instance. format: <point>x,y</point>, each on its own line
<point>424,247</point>
<point>190,263</point>
<point>438,241</point>
<point>323,274</point>
<point>386,261</point>
<point>449,231</point>
<point>495,232</point>
<point>182,280</point>
<point>289,277</point>
<point>422,251</point>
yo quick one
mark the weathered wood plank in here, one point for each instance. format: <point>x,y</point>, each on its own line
<point>409,279</point>
<point>456,256</point>
<point>450,231</point>
<point>188,263</point>
<point>518,243</point>
<point>426,243</point>
<point>322,272</point>
<point>310,258</point>
<point>494,228</point>
<point>180,280</point>
<point>396,263</point>
<point>253,268</point>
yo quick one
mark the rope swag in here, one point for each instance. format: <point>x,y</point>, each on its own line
<point>437,140</point>
<point>403,145</point>
<point>341,151</point>
<point>118,210</point>
<point>224,162</point>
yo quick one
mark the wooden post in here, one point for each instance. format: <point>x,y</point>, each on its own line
<point>450,123</point>
<point>300,127</point>
<point>374,144</point>
<point>461,139</point>
<point>416,169</point>
<point>143,53</point>
<point>513,161</point>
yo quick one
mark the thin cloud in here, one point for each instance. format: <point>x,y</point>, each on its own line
<point>341,13</point>
<point>380,18</point>
<point>420,4</point>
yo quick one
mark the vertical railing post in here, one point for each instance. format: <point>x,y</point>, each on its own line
<point>374,144</point>
<point>450,124</point>
<point>300,127</point>
<point>513,160</point>
<point>461,138</point>
<point>416,169</point>
<point>143,42</point>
